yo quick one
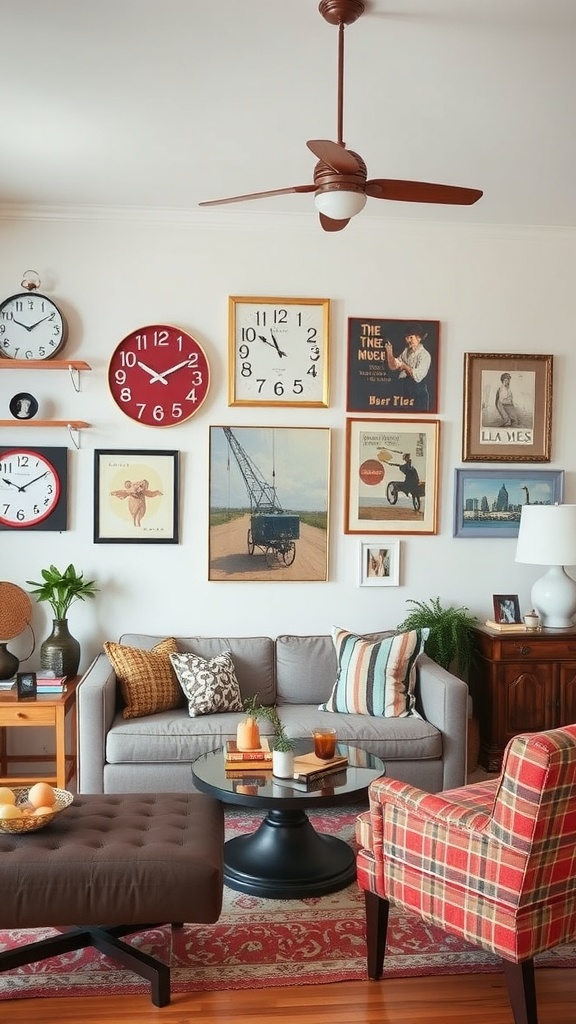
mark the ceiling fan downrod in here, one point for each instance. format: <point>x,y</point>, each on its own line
<point>341,13</point>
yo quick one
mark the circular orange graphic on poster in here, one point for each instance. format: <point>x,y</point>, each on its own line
<point>371,472</point>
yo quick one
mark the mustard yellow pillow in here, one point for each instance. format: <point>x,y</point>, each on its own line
<point>148,683</point>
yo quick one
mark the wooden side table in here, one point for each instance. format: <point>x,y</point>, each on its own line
<point>52,711</point>
<point>521,682</point>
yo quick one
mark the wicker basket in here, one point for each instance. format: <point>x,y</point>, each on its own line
<point>34,822</point>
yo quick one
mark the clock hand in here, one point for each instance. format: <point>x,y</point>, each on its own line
<point>271,343</point>
<point>20,324</point>
<point>11,484</point>
<point>24,486</point>
<point>162,376</point>
<point>49,317</point>
<point>278,349</point>
<point>152,373</point>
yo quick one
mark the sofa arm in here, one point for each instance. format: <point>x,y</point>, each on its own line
<point>96,702</point>
<point>443,700</point>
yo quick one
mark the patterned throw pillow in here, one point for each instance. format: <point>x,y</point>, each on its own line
<point>375,677</point>
<point>210,686</point>
<point>147,680</point>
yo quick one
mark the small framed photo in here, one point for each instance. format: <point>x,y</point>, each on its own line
<point>391,476</point>
<point>488,502</point>
<point>135,497</point>
<point>507,609</point>
<point>507,408</point>
<point>26,685</point>
<point>393,366</point>
<point>380,564</point>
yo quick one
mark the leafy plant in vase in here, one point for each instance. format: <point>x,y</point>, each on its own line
<point>282,745</point>
<point>60,652</point>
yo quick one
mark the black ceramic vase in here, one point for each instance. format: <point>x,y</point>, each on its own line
<point>60,652</point>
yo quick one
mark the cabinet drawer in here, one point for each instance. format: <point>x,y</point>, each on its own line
<point>21,715</point>
<point>538,650</point>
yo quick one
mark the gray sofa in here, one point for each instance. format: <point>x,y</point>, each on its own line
<point>297,673</point>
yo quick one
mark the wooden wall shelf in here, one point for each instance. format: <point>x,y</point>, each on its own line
<point>75,424</point>
<point>43,364</point>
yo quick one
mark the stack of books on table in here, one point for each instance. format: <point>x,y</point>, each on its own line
<point>309,769</point>
<point>253,761</point>
<point>506,627</point>
<point>46,683</point>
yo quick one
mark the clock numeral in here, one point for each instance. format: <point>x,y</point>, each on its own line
<point>249,334</point>
<point>128,358</point>
<point>298,387</point>
<point>246,369</point>
<point>314,353</point>
<point>158,413</point>
<point>126,395</point>
<point>120,376</point>
<point>243,352</point>
<point>312,371</point>
<point>278,388</point>
<point>312,335</point>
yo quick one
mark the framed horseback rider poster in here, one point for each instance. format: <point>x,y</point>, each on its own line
<point>391,476</point>
<point>392,366</point>
<point>507,407</point>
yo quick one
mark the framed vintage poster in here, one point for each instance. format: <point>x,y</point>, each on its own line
<point>269,498</point>
<point>392,366</point>
<point>488,502</point>
<point>391,476</point>
<point>507,408</point>
<point>135,497</point>
<point>380,564</point>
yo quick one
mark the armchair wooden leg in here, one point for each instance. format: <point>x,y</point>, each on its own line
<point>522,991</point>
<point>377,910</point>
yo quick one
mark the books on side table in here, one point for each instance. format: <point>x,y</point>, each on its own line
<point>253,760</point>
<point>506,627</point>
<point>46,683</point>
<point>310,769</point>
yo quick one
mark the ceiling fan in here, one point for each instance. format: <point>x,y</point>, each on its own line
<point>340,176</point>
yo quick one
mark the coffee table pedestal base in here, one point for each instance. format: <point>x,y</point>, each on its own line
<point>287,859</point>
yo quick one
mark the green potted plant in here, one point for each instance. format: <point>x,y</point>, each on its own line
<point>282,745</point>
<point>450,640</point>
<point>60,652</point>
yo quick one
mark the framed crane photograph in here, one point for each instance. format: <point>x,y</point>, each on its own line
<point>269,503</point>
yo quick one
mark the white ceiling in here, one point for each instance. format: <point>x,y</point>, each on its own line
<point>163,103</point>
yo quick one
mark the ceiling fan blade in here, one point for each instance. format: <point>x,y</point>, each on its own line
<point>332,225</point>
<point>421,192</point>
<point>259,195</point>
<point>335,155</point>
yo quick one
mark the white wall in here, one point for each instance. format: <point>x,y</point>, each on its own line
<point>494,290</point>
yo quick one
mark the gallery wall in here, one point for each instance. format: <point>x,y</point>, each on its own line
<point>492,290</point>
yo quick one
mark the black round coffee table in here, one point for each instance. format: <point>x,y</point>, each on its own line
<point>285,858</point>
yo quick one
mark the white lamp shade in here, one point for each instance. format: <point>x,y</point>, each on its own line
<point>339,204</point>
<point>547,536</point>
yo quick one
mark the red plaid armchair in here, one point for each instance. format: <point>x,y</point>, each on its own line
<point>493,862</point>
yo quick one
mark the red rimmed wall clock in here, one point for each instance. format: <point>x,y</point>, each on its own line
<point>159,375</point>
<point>33,488</point>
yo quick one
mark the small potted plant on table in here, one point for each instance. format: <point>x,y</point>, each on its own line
<point>60,652</point>
<point>282,745</point>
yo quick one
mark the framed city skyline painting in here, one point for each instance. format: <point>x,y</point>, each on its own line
<point>488,502</point>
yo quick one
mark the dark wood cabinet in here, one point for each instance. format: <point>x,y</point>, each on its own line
<point>521,682</point>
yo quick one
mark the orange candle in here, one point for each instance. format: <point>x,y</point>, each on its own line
<point>248,735</point>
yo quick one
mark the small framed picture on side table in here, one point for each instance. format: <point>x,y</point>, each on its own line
<point>25,684</point>
<point>506,609</point>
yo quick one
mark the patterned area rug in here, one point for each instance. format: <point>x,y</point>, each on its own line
<point>259,943</point>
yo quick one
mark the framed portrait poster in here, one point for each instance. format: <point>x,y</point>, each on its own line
<point>135,497</point>
<point>269,504</point>
<point>391,476</point>
<point>488,502</point>
<point>392,366</point>
<point>507,408</point>
<point>380,564</point>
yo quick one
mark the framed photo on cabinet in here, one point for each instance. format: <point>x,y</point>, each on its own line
<point>136,495</point>
<point>392,366</point>
<point>391,476</point>
<point>507,408</point>
<point>278,351</point>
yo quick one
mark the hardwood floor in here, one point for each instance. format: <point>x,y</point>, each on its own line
<point>476,999</point>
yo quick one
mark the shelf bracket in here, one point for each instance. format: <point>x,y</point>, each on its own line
<point>74,376</point>
<point>74,435</point>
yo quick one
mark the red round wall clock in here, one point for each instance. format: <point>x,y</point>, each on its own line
<point>159,375</point>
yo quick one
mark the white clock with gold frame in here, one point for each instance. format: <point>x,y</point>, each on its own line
<point>278,351</point>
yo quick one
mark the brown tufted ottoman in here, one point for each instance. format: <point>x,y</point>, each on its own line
<point>111,865</point>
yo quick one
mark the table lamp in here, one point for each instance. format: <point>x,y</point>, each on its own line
<point>547,536</point>
<point>15,616</point>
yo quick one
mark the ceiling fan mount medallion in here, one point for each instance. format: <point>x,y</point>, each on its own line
<point>341,185</point>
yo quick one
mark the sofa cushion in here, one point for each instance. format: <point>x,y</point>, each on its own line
<point>306,667</point>
<point>148,683</point>
<point>210,685</point>
<point>375,677</point>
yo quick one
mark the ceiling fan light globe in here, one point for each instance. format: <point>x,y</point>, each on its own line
<point>340,204</point>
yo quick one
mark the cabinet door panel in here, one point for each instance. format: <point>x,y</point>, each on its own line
<point>529,696</point>
<point>567,710</point>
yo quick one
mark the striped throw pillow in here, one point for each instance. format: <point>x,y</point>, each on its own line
<point>375,677</point>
